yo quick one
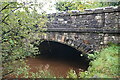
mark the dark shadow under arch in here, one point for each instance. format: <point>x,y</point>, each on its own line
<point>56,51</point>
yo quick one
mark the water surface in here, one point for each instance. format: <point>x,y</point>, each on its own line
<point>58,59</point>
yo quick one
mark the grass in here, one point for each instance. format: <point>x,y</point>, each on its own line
<point>105,64</point>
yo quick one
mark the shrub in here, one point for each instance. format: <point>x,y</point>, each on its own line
<point>24,72</point>
<point>105,65</point>
<point>71,74</point>
<point>20,25</point>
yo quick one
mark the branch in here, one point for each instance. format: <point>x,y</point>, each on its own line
<point>5,7</point>
<point>5,22</point>
<point>13,7</point>
<point>7,16</point>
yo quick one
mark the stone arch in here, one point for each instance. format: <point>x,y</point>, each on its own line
<point>78,45</point>
<point>50,48</point>
<point>63,52</point>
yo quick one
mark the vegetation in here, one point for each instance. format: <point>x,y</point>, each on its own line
<point>20,26</point>
<point>24,72</point>
<point>105,65</point>
<point>78,5</point>
<point>72,74</point>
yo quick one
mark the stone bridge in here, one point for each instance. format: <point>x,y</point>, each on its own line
<point>85,31</point>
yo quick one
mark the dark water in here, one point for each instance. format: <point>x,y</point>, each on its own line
<point>56,66</point>
<point>58,59</point>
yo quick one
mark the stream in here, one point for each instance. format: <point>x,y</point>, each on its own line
<point>58,59</point>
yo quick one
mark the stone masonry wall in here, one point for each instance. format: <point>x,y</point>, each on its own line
<point>94,28</point>
<point>105,18</point>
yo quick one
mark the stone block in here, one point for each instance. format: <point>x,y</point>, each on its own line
<point>98,10</point>
<point>109,9</point>
<point>88,11</point>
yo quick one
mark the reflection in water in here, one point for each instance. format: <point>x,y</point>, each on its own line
<point>58,59</point>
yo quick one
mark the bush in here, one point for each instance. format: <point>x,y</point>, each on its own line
<point>79,5</point>
<point>20,26</point>
<point>24,72</point>
<point>105,65</point>
<point>72,74</point>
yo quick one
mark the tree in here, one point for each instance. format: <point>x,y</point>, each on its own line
<point>79,5</point>
<point>64,6</point>
<point>21,26</point>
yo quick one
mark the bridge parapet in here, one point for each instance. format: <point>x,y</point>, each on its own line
<point>102,18</point>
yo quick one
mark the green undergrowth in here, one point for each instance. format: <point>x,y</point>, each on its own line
<point>104,64</point>
<point>25,72</point>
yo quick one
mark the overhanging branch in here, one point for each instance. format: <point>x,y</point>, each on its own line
<point>4,7</point>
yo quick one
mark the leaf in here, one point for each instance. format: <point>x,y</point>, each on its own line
<point>11,41</point>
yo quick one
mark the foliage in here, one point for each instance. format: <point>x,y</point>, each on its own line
<point>24,72</point>
<point>105,65</point>
<point>63,6</point>
<point>21,26</point>
<point>79,5</point>
<point>93,56</point>
<point>71,74</point>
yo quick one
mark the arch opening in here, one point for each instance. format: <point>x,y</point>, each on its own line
<point>59,58</point>
<point>56,51</point>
